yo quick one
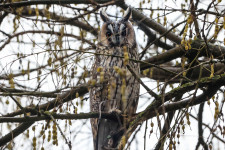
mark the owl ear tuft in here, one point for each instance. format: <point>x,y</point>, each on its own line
<point>104,16</point>
<point>127,15</point>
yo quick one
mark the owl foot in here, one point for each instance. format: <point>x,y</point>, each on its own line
<point>117,113</point>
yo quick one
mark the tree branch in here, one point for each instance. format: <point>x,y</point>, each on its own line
<point>147,114</point>
<point>14,133</point>
<point>200,130</point>
<point>49,2</point>
<point>58,116</point>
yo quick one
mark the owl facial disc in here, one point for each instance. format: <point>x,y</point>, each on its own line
<point>116,31</point>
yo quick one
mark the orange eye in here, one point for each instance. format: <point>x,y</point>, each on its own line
<point>108,34</point>
<point>124,32</point>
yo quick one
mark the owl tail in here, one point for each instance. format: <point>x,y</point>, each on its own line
<point>109,134</point>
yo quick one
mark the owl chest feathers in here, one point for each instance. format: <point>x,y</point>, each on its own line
<point>120,87</point>
<point>113,58</point>
<point>116,49</point>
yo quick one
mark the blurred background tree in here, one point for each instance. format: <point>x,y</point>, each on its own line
<point>46,52</point>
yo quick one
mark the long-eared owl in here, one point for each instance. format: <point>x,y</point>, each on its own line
<point>119,89</point>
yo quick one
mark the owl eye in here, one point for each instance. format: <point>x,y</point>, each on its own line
<point>108,33</point>
<point>123,32</point>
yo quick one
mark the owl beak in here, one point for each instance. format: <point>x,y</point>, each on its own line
<point>117,40</point>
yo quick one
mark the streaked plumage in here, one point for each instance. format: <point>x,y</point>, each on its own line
<point>120,90</point>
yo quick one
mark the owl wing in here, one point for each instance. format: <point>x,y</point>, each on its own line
<point>97,94</point>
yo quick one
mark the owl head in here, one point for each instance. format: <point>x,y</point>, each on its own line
<point>117,33</point>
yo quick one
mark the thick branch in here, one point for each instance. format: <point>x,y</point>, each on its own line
<point>18,92</point>
<point>152,37</point>
<point>62,98</point>
<point>177,52</point>
<point>58,116</point>
<point>152,24</point>
<point>14,133</point>
<point>70,95</point>
<point>49,2</point>
<point>146,114</point>
<point>31,12</point>
<point>161,75</point>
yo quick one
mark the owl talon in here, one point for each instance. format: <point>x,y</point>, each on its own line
<point>117,113</point>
